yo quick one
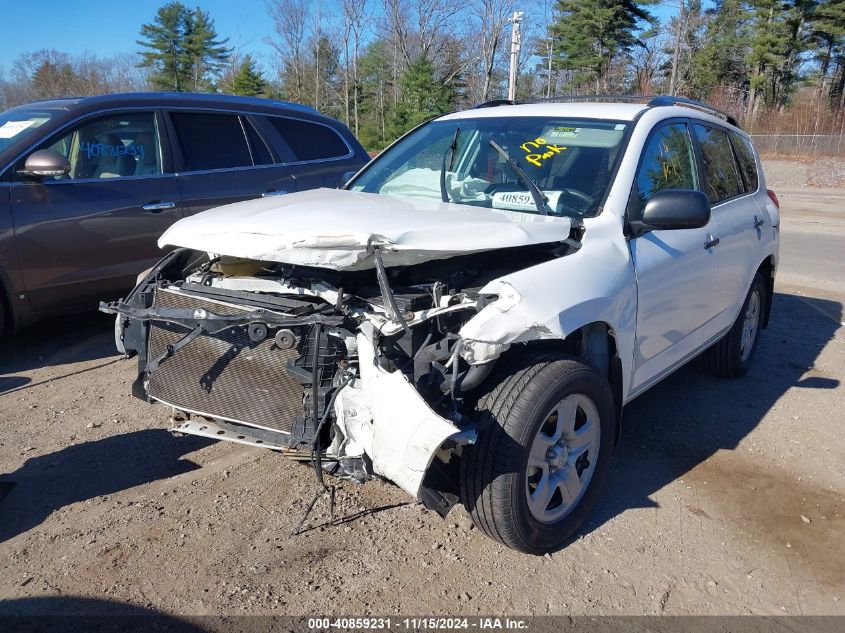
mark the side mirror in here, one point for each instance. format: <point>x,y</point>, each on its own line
<point>673,209</point>
<point>45,162</point>
<point>346,177</point>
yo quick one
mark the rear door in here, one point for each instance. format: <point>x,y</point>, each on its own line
<point>221,158</point>
<point>677,271</point>
<point>86,236</point>
<point>738,219</point>
<point>314,153</point>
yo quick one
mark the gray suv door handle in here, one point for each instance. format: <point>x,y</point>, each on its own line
<point>712,242</point>
<point>158,206</point>
<point>757,222</point>
<point>270,194</point>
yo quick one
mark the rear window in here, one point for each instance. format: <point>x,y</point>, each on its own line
<point>719,166</point>
<point>211,141</point>
<point>747,164</point>
<point>310,141</point>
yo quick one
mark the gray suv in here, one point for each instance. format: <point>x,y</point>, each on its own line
<point>88,185</point>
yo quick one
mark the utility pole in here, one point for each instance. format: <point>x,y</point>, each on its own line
<point>516,41</point>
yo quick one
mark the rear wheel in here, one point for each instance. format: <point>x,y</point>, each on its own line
<point>542,452</point>
<point>731,356</point>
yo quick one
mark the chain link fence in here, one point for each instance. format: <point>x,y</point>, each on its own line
<point>800,145</point>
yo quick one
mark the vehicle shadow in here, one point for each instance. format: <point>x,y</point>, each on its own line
<point>76,613</point>
<point>60,341</point>
<point>84,471</point>
<point>692,414</point>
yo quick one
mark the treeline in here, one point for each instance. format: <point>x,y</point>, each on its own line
<point>383,66</point>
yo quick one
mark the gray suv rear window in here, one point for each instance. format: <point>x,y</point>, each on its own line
<point>310,141</point>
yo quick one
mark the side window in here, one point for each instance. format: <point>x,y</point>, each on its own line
<point>719,165</point>
<point>112,146</point>
<point>211,141</point>
<point>747,164</point>
<point>667,162</point>
<point>310,141</point>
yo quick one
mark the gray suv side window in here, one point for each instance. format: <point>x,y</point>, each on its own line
<point>111,146</point>
<point>719,165</point>
<point>667,162</point>
<point>211,141</point>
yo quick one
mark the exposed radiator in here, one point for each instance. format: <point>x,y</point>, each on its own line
<point>229,376</point>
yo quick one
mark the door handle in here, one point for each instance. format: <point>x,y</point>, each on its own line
<point>711,243</point>
<point>270,194</point>
<point>757,222</point>
<point>155,207</point>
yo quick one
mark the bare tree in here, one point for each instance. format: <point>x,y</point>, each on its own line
<point>290,28</point>
<point>492,16</point>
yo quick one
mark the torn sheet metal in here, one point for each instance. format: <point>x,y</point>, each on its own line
<point>404,434</point>
<point>331,228</point>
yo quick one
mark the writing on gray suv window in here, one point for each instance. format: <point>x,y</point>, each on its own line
<point>111,146</point>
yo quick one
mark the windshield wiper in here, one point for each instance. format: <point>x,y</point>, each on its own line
<point>539,198</point>
<point>450,152</point>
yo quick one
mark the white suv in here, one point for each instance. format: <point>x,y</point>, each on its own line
<point>469,315</point>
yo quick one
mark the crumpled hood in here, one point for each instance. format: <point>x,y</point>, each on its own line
<point>331,228</point>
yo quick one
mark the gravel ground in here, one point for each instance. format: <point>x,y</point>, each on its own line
<point>725,497</point>
<point>820,172</point>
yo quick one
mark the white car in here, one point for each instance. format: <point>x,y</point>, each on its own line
<point>470,314</point>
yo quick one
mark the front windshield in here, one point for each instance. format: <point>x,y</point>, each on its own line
<point>570,161</point>
<point>19,123</point>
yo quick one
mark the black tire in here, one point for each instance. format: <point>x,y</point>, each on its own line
<point>494,471</point>
<point>726,358</point>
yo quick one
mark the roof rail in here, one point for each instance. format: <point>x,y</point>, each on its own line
<point>652,101</point>
<point>669,100</point>
<point>493,103</point>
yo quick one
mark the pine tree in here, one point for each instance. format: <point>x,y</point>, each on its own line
<point>423,96</point>
<point>721,61</point>
<point>248,80</point>
<point>185,53</point>
<point>205,55</point>
<point>589,34</point>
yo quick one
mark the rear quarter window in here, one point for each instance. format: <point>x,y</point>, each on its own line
<point>310,141</point>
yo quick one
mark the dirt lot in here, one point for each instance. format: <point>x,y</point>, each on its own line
<point>725,497</point>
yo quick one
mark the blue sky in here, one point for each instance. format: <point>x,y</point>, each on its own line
<point>107,27</point>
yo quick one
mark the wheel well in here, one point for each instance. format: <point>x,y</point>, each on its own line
<point>595,344</point>
<point>767,271</point>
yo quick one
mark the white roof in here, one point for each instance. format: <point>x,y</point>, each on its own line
<point>581,110</point>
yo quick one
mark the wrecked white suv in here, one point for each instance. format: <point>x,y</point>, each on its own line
<point>468,316</point>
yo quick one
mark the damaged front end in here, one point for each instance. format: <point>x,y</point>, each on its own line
<point>362,372</point>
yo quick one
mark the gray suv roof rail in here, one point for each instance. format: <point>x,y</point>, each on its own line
<point>652,101</point>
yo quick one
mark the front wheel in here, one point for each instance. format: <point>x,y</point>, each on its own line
<point>543,449</point>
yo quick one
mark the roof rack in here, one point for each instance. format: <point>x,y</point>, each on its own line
<point>652,101</point>
<point>669,100</point>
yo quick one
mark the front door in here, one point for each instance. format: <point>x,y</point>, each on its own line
<point>85,236</point>
<point>677,271</point>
